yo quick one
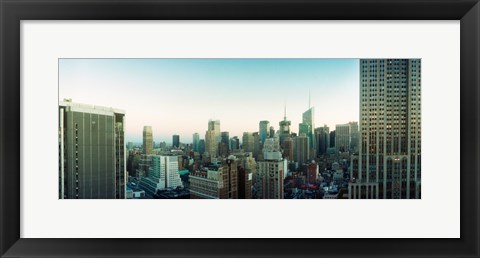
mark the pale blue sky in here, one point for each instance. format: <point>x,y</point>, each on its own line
<point>179,96</point>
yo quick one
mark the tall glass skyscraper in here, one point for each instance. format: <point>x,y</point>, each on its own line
<point>264,126</point>
<point>308,118</point>
<point>389,161</point>
<point>176,140</point>
<point>196,140</point>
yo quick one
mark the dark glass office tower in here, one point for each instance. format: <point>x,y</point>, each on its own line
<point>91,152</point>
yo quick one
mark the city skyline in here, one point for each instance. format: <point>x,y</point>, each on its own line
<point>375,157</point>
<point>180,96</point>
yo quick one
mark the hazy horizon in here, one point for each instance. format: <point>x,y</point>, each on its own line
<point>180,96</point>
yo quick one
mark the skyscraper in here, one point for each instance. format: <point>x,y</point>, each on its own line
<point>323,139</point>
<point>304,128</point>
<point>211,145</point>
<point>92,163</point>
<point>272,131</point>
<point>163,173</point>
<point>354,137</point>
<point>332,139</point>
<point>212,137</point>
<point>284,127</point>
<point>223,150</point>
<point>201,146</point>
<point>244,184</point>
<point>288,148</point>
<point>308,119</point>
<point>248,142</point>
<point>268,181</point>
<point>263,128</point>
<point>176,141</point>
<point>302,149</point>
<point>247,167</point>
<point>196,140</point>
<point>256,145</point>
<point>342,137</point>
<point>388,165</point>
<point>234,143</point>
<point>225,138</point>
<point>224,146</point>
<point>214,125</point>
<point>147,140</point>
<point>231,177</point>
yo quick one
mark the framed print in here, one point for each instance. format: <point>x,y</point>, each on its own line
<point>124,104</point>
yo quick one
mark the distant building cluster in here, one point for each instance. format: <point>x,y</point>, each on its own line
<point>377,157</point>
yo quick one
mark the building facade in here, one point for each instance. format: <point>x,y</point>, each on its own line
<point>247,167</point>
<point>216,182</point>
<point>201,146</point>
<point>147,140</point>
<point>268,180</point>
<point>308,119</point>
<point>234,143</point>
<point>284,130</point>
<point>288,148</point>
<point>212,137</point>
<point>176,141</point>
<point>312,173</point>
<point>92,160</point>
<point>354,137</point>
<point>248,142</point>
<point>342,137</point>
<point>332,139</point>
<point>323,139</point>
<point>162,173</point>
<point>302,149</point>
<point>390,129</point>
<point>263,130</point>
<point>196,140</point>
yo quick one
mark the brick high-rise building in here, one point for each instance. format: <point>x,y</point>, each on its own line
<point>288,148</point>
<point>216,182</point>
<point>312,173</point>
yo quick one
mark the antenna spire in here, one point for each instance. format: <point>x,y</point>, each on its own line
<point>309,98</point>
<point>285,111</point>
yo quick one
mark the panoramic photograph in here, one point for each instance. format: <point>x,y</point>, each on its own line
<point>239,128</point>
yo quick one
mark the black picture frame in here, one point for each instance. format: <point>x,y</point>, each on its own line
<point>13,11</point>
